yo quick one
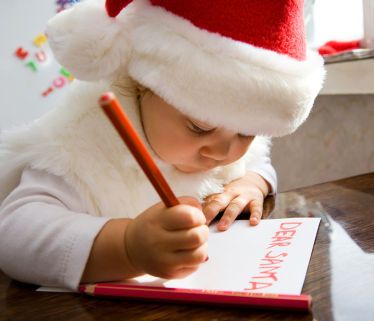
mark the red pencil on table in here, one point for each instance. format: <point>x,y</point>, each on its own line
<point>231,298</point>
<point>125,129</point>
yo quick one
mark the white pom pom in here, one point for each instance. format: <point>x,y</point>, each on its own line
<point>89,43</point>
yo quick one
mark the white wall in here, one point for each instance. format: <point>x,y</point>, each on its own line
<point>337,20</point>
<point>21,87</point>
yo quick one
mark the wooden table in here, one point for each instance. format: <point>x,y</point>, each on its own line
<point>340,277</point>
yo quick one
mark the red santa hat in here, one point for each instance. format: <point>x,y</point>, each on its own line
<point>240,64</point>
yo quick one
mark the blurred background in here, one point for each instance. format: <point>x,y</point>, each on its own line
<point>335,142</point>
<point>28,69</point>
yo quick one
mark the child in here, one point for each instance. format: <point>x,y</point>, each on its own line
<point>205,83</point>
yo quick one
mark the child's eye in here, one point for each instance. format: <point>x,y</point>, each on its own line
<point>198,130</point>
<point>245,136</point>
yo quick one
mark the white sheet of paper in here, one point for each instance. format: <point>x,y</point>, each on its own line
<point>271,257</point>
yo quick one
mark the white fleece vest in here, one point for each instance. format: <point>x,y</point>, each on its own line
<point>77,142</point>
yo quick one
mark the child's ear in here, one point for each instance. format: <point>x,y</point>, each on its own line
<point>84,39</point>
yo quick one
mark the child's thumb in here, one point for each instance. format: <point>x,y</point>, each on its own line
<point>188,200</point>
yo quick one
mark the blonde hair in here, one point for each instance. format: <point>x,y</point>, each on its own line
<point>129,87</point>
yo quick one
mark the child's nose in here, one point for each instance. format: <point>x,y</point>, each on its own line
<point>218,151</point>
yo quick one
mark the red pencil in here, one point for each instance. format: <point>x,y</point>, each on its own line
<point>125,129</point>
<point>232,298</point>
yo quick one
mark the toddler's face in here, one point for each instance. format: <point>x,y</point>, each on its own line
<point>186,143</point>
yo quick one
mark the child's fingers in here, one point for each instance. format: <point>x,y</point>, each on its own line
<point>255,208</point>
<point>183,272</point>
<point>191,258</point>
<point>232,211</point>
<point>181,217</point>
<point>190,201</point>
<point>216,204</point>
<point>188,239</point>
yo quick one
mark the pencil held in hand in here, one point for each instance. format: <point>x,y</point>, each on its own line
<point>125,129</point>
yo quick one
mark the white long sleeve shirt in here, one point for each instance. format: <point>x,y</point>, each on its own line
<point>46,232</point>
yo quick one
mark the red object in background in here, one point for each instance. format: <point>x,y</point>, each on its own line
<point>333,47</point>
<point>21,53</point>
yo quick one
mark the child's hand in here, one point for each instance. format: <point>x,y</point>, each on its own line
<point>246,193</point>
<point>168,242</point>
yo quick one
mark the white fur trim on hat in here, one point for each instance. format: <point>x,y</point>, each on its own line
<point>227,83</point>
<point>89,43</point>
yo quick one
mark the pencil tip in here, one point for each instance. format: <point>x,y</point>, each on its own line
<point>106,97</point>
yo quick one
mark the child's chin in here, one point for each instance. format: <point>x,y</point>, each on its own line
<point>191,170</point>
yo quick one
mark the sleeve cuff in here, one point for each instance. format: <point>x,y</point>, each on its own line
<point>268,173</point>
<point>85,230</point>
